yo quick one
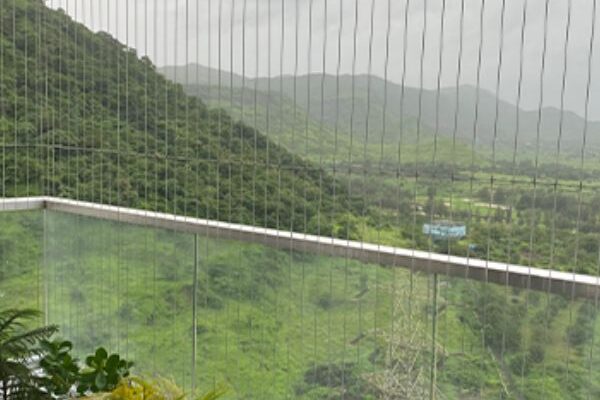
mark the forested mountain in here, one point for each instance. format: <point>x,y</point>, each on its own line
<point>83,116</point>
<point>373,90</point>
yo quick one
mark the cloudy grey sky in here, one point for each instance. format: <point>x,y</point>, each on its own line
<point>180,31</point>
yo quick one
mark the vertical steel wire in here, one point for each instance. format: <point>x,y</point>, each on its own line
<point>148,255</point>
<point>118,194</point>
<point>2,104</point>
<point>259,391</point>
<point>304,171</point>
<point>71,151</point>
<point>54,127</point>
<point>517,132</point>
<point>269,174</point>
<point>384,132</point>
<point>166,111</point>
<point>89,147</point>
<point>349,177</point>
<point>230,159</point>
<point>433,366</point>
<point>335,178</point>
<point>290,345</point>
<point>26,78</point>
<point>534,190</point>
<point>584,139</point>
<point>422,48</point>
<point>240,169</point>
<point>190,196</point>
<point>103,76</point>
<point>493,171</point>
<point>39,99</point>
<point>186,81</point>
<point>171,156</point>
<point>38,148</point>
<point>86,149</point>
<point>326,346</point>
<point>81,152</point>
<point>209,166</point>
<point>279,189</point>
<point>473,145</point>
<point>128,159</point>
<point>260,341</point>
<point>365,172</point>
<point>15,96</point>
<point>45,189</point>
<point>472,167</point>
<point>156,203</point>
<point>556,180</point>
<point>219,130</point>
<point>43,149</point>
<point>399,167</point>
<point>457,80</point>
<point>423,41</point>
<point>232,105</point>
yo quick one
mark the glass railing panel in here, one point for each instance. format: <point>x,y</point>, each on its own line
<point>123,287</point>
<point>21,268</point>
<point>281,323</point>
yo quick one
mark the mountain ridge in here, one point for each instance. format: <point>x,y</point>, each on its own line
<point>489,128</point>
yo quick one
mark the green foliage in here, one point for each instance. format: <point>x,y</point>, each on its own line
<point>334,381</point>
<point>102,372</point>
<point>87,90</point>
<point>491,313</point>
<point>17,347</point>
<point>61,371</point>
<point>583,328</point>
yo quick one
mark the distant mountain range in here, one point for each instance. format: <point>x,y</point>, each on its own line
<point>371,95</point>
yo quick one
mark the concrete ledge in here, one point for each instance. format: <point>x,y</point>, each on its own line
<point>518,276</point>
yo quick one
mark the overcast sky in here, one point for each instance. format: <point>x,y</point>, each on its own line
<point>180,31</point>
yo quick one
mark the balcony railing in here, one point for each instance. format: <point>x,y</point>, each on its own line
<point>275,314</point>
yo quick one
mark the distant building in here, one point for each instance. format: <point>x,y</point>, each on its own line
<point>440,230</point>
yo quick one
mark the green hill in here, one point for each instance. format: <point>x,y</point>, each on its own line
<point>83,116</point>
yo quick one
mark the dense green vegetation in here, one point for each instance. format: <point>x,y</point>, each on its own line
<point>82,116</point>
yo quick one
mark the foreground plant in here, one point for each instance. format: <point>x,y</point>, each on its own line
<point>33,367</point>
<point>102,372</point>
<point>136,388</point>
<point>17,349</point>
<point>60,368</point>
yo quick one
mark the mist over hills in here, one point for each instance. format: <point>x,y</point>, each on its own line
<point>463,121</point>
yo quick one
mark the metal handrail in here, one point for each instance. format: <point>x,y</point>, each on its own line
<point>513,275</point>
